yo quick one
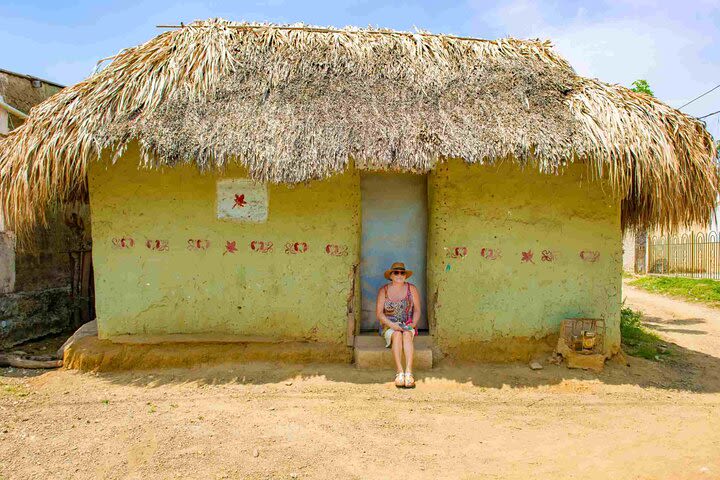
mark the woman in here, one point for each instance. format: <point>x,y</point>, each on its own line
<point>398,310</point>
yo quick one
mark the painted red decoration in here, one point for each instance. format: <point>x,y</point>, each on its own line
<point>490,253</point>
<point>295,248</point>
<point>239,200</point>
<point>194,244</point>
<point>548,256</point>
<point>456,252</point>
<point>124,242</point>
<point>527,257</point>
<point>336,250</point>
<point>261,247</point>
<point>591,256</point>
<point>230,247</point>
<point>158,245</point>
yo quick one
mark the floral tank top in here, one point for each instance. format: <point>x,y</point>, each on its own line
<point>398,311</point>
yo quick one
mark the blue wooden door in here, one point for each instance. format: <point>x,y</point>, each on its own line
<point>394,229</point>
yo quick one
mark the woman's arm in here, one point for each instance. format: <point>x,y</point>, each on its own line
<point>417,305</point>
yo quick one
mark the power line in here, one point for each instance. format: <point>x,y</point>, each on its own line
<point>708,115</point>
<point>700,96</point>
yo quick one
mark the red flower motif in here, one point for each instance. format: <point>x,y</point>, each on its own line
<point>527,257</point>
<point>230,247</point>
<point>239,200</point>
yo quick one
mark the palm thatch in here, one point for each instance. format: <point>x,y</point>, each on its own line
<point>294,103</point>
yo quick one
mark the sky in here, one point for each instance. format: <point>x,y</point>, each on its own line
<point>674,45</point>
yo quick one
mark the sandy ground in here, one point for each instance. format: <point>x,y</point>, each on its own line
<point>648,420</point>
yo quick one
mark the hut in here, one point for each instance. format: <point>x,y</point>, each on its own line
<point>251,182</point>
<point>45,290</point>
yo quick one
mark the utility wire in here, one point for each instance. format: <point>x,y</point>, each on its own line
<point>699,97</point>
<point>708,115</point>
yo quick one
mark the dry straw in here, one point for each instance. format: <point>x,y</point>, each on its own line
<point>298,103</point>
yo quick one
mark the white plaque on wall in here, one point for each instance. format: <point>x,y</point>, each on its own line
<point>242,200</point>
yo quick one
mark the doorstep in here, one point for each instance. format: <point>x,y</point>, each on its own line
<point>369,352</point>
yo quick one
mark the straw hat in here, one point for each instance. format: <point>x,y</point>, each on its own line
<point>398,266</point>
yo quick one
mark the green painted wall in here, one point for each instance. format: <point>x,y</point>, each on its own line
<point>478,308</point>
<point>145,292</point>
<point>479,304</point>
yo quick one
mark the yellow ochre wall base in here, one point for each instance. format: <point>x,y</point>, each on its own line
<point>93,354</point>
<point>512,253</point>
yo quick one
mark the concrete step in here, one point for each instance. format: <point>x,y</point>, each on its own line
<point>370,353</point>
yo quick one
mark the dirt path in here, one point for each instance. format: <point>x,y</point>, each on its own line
<point>329,421</point>
<point>690,325</point>
<point>648,420</point>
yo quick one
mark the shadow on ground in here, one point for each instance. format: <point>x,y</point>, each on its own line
<point>659,325</point>
<point>683,370</point>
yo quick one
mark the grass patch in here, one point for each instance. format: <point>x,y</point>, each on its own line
<point>14,390</point>
<point>702,290</point>
<point>637,340</point>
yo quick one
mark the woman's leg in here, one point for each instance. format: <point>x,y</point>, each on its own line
<point>397,348</point>
<point>409,349</point>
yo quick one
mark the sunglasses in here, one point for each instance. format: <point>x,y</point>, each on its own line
<point>398,272</point>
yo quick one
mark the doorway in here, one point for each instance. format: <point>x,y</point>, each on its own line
<point>394,229</point>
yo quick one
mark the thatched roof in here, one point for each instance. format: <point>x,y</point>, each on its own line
<point>299,103</point>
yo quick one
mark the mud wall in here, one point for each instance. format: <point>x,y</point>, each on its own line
<point>35,288</point>
<point>35,297</point>
<point>17,90</point>
<point>628,246</point>
<point>234,284</point>
<point>511,253</point>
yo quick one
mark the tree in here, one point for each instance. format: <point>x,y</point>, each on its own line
<point>642,86</point>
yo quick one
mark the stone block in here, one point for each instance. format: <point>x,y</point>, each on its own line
<point>29,315</point>
<point>370,353</point>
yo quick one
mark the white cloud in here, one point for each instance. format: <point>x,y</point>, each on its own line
<point>623,42</point>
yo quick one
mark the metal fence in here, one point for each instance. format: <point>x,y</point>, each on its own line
<point>695,255</point>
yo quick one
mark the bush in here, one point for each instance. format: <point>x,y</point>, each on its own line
<point>638,340</point>
<point>630,320</point>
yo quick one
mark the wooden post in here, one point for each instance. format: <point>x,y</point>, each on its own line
<point>351,324</point>
<point>350,336</point>
<point>668,254</point>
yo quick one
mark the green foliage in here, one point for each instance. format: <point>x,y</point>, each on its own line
<point>702,290</point>
<point>630,319</point>
<point>638,340</point>
<point>642,86</point>
<point>14,390</point>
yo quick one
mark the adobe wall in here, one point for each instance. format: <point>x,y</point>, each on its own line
<point>35,298</point>
<point>18,92</point>
<point>513,252</point>
<point>299,289</point>
<point>35,292</point>
<point>510,254</point>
